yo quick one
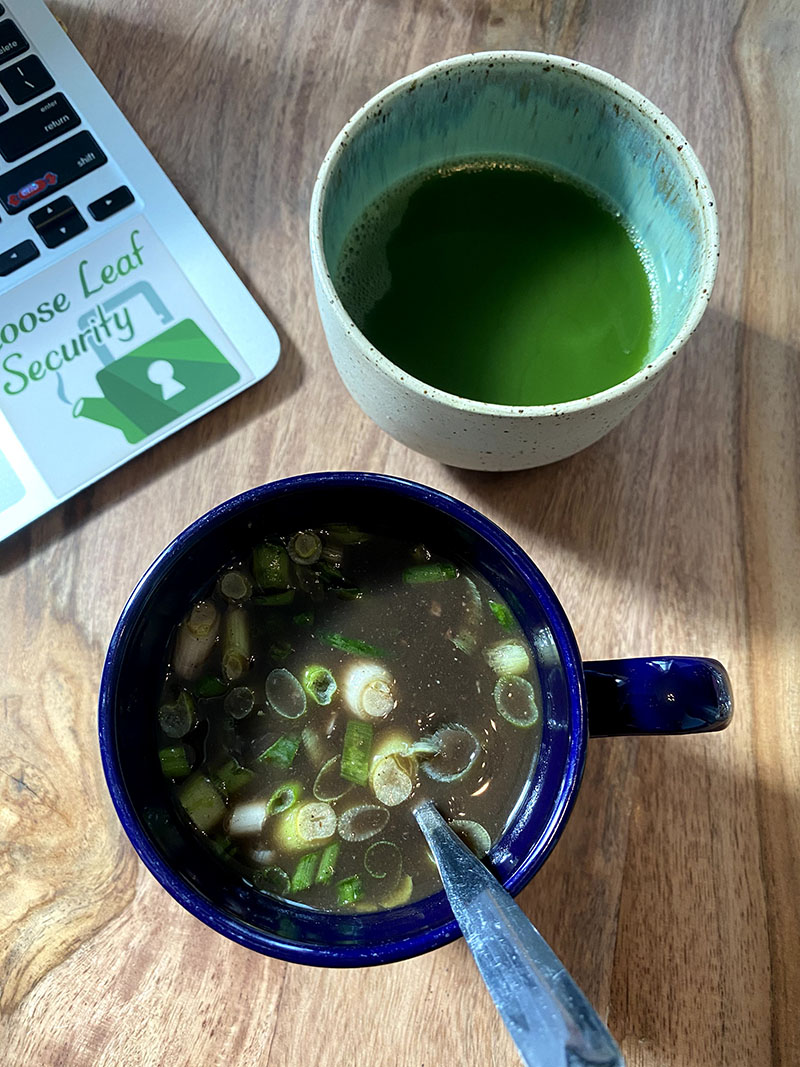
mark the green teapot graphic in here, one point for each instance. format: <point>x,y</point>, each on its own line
<point>157,382</point>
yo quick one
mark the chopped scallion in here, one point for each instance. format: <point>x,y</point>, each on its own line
<point>272,880</point>
<point>429,572</point>
<point>303,618</point>
<point>284,798</point>
<point>361,822</point>
<point>516,701</point>
<point>271,567</point>
<point>317,749</point>
<point>222,845</point>
<point>383,859</point>
<point>507,657</point>
<point>327,863</point>
<point>201,802</point>
<point>231,777</point>
<point>305,547</point>
<point>285,694</point>
<point>210,686</point>
<point>234,585</point>
<point>368,690</point>
<point>240,702</point>
<point>474,836</point>
<point>329,784</point>
<point>401,895</point>
<point>303,877</point>
<point>176,720</point>
<point>235,643</point>
<point>349,890</point>
<point>351,644</point>
<point>502,614</point>
<point>247,818</point>
<point>196,637</point>
<point>349,593</point>
<point>457,753</point>
<point>319,684</point>
<point>330,573</point>
<point>174,761</point>
<point>308,824</point>
<point>347,535</point>
<point>356,752</point>
<point>274,600</point>
<point>282,752</point>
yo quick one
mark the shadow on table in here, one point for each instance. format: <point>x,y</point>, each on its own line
<point>657,902</point>
<point>657,504</point>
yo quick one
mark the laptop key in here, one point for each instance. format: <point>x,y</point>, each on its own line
<point>3,106</point>
<point>26,79</point>
<point>14,258</point>
<point>64,227</point>
<point>111,203</point>
<point>35,126</point>
<point>12,43</point>
<point>50,212</point>
<point>50,171</point>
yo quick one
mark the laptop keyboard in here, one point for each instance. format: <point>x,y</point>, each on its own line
<point>32,115</point>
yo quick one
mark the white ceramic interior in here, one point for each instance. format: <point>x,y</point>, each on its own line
<point>557,112</point>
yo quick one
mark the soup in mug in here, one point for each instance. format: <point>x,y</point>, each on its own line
<point>326,683</point>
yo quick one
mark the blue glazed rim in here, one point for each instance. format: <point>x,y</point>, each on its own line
<point>181,890</point>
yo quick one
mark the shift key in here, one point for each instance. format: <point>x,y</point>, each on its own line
<point>50,171</point>
<point>35,126</point>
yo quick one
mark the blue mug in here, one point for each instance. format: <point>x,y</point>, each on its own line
<point>640,696</point>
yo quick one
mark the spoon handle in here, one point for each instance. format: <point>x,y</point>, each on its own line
<point>549,1018</point>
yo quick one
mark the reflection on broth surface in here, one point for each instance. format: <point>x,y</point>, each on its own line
<point>328,681</point>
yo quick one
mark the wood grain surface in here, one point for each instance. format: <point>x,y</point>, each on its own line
<point>673,894</point>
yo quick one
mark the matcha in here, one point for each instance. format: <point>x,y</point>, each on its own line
<point>499,281</point>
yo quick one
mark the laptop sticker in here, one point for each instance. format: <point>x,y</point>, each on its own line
<point>101,355</point>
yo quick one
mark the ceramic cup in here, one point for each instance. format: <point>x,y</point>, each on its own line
<point>620,697</point>
<point>559,113</point>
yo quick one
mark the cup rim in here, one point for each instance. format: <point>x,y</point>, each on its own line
<point>193,900</point>
<point>674,143</point>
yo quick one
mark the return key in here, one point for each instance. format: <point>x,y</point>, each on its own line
<point>36,126</point>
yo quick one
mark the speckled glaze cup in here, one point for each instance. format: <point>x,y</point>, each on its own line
<point>557,112</point>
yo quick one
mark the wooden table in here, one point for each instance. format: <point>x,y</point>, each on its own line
<point>673,894</point>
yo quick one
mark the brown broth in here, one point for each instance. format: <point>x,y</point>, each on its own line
<point>363,598</point>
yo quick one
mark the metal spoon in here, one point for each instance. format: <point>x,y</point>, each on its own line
<point>549,1018</point>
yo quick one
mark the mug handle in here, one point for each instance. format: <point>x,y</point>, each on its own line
<point>665,695</point>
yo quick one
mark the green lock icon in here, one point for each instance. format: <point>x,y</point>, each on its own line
<point>157,382</point>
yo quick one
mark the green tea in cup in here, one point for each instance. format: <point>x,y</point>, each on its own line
<point>500,281</point>
<point>509,249</point>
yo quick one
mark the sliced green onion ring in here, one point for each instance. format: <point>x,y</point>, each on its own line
<point>459,748</point>
<point>383,859</point>
<point>362,822</point>
<point>272,880</point>
<point>240,702</point>
<point>319,684</point>
<point>305,547</point>
<point>392,779</point>
<point>507,657</point>
<point>284,798</point>
<point>516,701</point>
<point>401,895</point>
<point>284,694</point>
<point>474,836</point>
<point>329,784</point>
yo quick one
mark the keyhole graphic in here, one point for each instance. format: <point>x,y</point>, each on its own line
<point>161,372</point>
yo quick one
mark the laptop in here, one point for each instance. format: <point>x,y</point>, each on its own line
<point>120,319</point>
